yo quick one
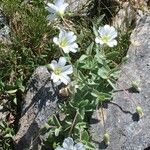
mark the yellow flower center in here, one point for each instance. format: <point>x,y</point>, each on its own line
<point>60,13</point>
<point>58,71</point>
<point>63,43</point>
<point>105,38</point>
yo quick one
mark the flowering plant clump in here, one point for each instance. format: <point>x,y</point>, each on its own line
<point>60,71</point>
<point>82,81</point>
<point>56,10</point>
<point>107,35</point>
<point>69,144</point>
<point>66,41</point>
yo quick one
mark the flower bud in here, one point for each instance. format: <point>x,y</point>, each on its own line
<point>139,111</point>
<point>106,138</point>
<point>48,67</point>
<point>135,86</point>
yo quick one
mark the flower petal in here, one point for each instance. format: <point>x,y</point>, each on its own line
<point>55,77</point>
<point>72,50</point>
<point>112,43</point>
<point>62,34</point>
<point>79,146</point>
<point>56,40</point>
<point>67,69</point>
<point>113,34</point>
<point>68,142</point>
<point>101,31</point>
<point>53,64</point>
<point>59,148</point>
<point>65,79</point>
<point>74,45</point>
<point>66,49</point>
<point>58,2</point>
<point>71,37</point>
<point>98,40</point>
<point>63,7</point>
<point>107,27</point>
<point>58,83</point>
<point>62,61</point>
<point>51,17</point>
<point>51,8</point>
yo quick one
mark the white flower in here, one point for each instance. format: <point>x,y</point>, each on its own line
<point>66,41</point>
<point>60,71</point>
<point>107,35</point>
<point>57,9</point>
<point>68,144</point>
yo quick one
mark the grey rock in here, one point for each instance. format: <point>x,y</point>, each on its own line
<point>40,103</point>
<point>2,18</point>
<point>125,17</point>
<point>128,15</point>
<point>78,6</point>
<point>4,29</point>
<point>126,130</point>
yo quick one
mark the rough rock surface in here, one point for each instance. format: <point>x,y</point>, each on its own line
<point>78,5</point>
<point>127,131</point>
<point>4,29</point>
<point>40,103</point>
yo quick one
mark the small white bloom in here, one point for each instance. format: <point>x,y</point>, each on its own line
<point>68,144</point>
<point>57,9</point>
<point>60,71</point>
<point>107,35</point>
<point>66,41</point>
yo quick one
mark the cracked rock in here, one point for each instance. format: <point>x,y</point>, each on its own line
<point>128,131</point>
<point>40,103</point>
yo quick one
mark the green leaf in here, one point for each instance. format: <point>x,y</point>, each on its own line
<point>103,72</point>
<point>89,49</point>
<point>100,57</point>
<point>112,84</point>
<point>83,57</point>
<point>12,91</point>
<point>112,55</point>
<point>85,136</point>
<point>15,100</point>
<point>57,131</point>
<point>20,86</point>
<point>90,146</point>
<point>56,121</point>
<point>83,103</point>
<point>9,135</point>
<point>100,19</point>
<point>101,96</point>
<point>80,125</point>
<point>3,124</point>
<point>95,30</point>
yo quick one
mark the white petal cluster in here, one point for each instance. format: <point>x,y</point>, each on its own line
<point>60,71</point>
<point>56,9</point>
<point>107,35</point>
<point>66,41</point>
<point>69,144</point>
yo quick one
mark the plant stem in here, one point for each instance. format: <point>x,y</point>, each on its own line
<point>73,123</point>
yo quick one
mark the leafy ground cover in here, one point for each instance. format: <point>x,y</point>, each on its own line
<point>95,67</point>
